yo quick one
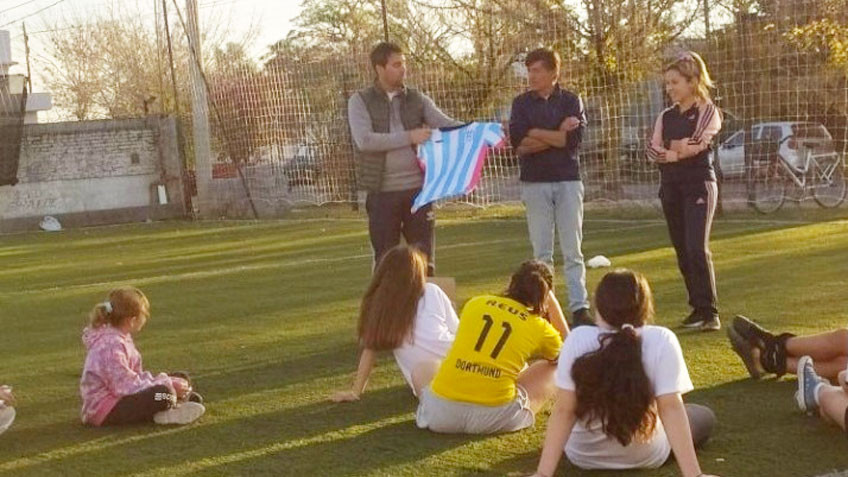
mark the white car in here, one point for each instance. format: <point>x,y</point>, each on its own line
<point>784,135</point>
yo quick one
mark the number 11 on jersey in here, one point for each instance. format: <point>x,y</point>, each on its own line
<point>487,326</point>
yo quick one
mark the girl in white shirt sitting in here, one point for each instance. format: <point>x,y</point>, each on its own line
<point>620,383</point>
<point>402,313</point>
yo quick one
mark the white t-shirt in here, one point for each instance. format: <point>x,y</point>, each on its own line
<point>589,447</point>
<point>432,333</point>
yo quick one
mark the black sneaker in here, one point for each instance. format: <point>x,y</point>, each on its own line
<point>694,320</point>
<point>746,351</point>
<point>752,332</point>
<point>705,321</point>
<point>582,317</point>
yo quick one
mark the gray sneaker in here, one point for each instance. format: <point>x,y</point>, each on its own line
<point>183,413</point>
<point>808,383</point>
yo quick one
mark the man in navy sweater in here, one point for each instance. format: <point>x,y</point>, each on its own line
<point>546,129</point>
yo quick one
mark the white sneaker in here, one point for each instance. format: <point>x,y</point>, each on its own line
<point>7,417</point>
<point>184,413</point>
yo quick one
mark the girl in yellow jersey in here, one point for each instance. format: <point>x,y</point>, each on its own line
<point>484,385</point>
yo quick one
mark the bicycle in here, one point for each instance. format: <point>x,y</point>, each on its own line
<point>770,177</point>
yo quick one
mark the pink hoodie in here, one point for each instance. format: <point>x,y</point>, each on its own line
<point>112,370</point>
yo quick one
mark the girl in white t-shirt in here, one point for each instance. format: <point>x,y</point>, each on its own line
<point>620,383</point>
<point>403,313</point>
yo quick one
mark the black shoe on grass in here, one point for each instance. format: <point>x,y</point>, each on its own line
<point>582,317</point>
<point>746,351</point>
<point>752,332</point>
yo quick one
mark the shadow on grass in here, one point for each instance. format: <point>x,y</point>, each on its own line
<point>374,450</point>
<point>321,438</point>
<point>465,262</point>
<point>757,422</point>
<point>281,373</point>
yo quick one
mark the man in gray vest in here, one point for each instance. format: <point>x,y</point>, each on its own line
<point>387,121</point>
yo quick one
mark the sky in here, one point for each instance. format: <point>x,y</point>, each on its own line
<point>270,18</point>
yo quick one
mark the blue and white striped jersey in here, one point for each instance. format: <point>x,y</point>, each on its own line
<point>453,159</point>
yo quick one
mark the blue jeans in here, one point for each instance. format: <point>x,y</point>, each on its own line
<point>561,204</point>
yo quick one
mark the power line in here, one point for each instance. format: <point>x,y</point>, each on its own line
<point>217,3</point>
<point>19,5</point>
<point>52,30</point>
<point>31,14</point>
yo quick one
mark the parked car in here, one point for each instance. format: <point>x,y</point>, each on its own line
<point>770,138</point>
<point>302,168</point>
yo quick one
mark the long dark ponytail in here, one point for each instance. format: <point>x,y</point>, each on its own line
<point>612,386</point>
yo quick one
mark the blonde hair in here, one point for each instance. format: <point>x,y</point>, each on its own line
<point>691,66</point>
<point>122,303</point>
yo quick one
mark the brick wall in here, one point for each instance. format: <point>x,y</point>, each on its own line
<point>95,172</point>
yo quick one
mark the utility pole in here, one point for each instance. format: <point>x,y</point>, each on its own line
<point>26,49</point>
<point>159,53</point>
<point>385,21</point>
<point>171,58</point>
<point>200,116</point>
<point>181,142</point>
<point>707,30</point>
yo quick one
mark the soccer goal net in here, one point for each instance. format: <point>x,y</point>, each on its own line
<point>780,67</point>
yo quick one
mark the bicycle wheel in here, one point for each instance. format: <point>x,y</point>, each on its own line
<point>766,186</point>
<point>829,187</point>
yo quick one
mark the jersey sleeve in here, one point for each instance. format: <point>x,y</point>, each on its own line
<point>494,134</point>
<point>550,342</point>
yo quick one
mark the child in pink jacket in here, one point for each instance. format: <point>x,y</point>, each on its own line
<point>115,388</point>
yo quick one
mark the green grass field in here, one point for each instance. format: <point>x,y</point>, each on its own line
<point>263,313</point>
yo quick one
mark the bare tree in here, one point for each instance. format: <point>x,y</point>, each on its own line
<point>108,63</point>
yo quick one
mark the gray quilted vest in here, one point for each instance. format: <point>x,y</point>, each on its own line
<point>370,165</point>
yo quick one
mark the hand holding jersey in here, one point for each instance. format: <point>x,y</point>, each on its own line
<point>452,160</point>
<point>417,136</point>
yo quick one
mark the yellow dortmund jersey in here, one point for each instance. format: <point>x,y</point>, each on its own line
<point>495,338</point>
